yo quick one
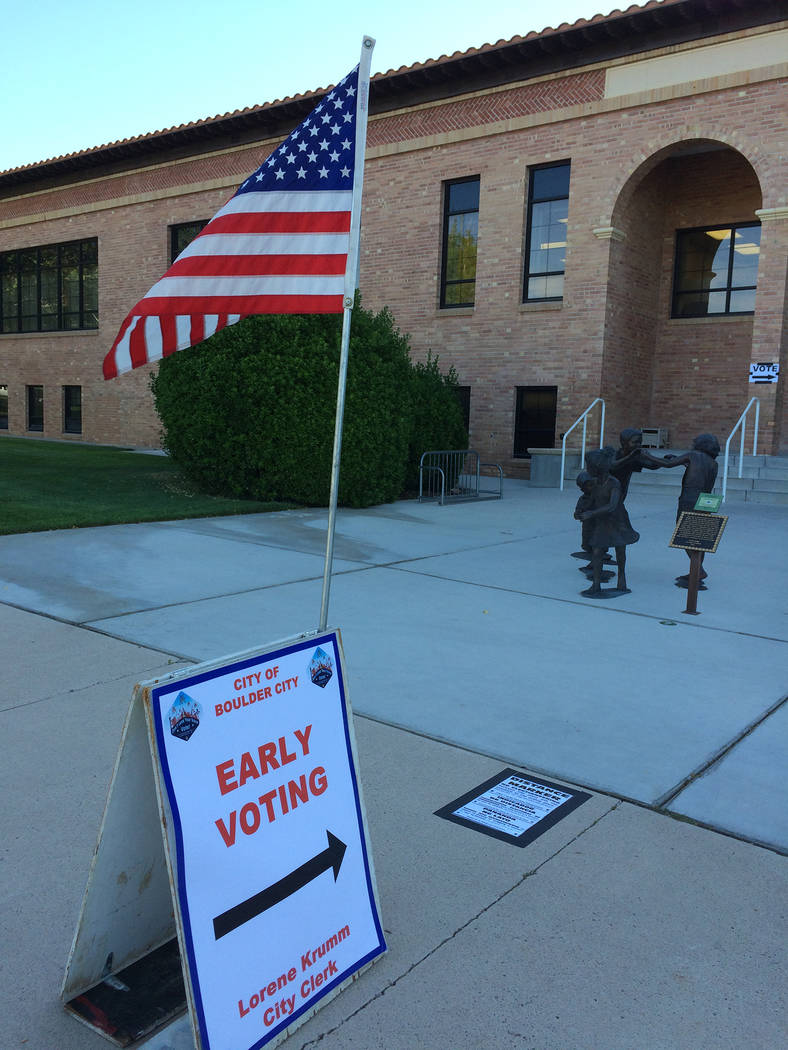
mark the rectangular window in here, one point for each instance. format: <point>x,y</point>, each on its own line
<point>460,233</point>
<point>72,409</point>
<point>464,397</point>
<point>35,408</point>
<point>545,232</point>
<point>182,235</point>
<point>534,419</point>
<point>3,406</point>
<point>716,270</point>
<point>52,288</point>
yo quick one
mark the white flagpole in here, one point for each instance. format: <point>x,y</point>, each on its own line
<point>362,109</point>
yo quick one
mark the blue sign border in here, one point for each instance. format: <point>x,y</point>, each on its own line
<point>306,645</point>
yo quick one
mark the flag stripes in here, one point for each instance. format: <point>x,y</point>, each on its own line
<point>251,265</point>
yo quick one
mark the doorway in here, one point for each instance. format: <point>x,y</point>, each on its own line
<point>534,419</point>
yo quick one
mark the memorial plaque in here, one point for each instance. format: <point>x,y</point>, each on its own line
<point>698,531</point>
<point>514,807</point>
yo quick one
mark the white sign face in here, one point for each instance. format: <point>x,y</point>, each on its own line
<point>513,805</point>
<point>764,371</point>
<point>275,885</point>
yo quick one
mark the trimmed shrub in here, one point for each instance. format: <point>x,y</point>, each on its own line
<point>437,421</point>
<point>251,411</point>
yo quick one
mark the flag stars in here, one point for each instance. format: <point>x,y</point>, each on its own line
<point>313,153</point>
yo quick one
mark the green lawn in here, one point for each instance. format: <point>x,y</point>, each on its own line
<point>56,485</point>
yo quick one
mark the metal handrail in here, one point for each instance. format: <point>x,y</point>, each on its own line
<point>741,422</point>
<point>582,419</point>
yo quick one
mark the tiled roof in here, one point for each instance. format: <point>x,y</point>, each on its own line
<point>568,46</point>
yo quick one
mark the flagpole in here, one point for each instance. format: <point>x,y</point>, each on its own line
<point>350,289</point>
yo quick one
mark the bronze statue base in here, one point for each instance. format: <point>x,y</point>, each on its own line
<point>605,592</point>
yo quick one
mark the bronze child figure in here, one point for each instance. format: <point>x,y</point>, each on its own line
<point>631,458</point>
<point>699,476</point>
<point>608,525</point>
<point>585,483</point>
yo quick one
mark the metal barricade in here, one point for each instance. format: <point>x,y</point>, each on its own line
<point>454,476</point>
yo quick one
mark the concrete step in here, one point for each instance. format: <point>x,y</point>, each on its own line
<point>766,496</point>
<point>767,484</point>
<point>764,478</point>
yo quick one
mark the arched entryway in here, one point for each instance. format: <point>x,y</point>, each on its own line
<point>681,292</point>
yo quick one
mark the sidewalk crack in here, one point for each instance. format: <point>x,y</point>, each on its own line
<point>701,771</point>
<point>460,929</point>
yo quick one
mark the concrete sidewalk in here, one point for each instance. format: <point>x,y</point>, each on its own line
<point>468,648</point>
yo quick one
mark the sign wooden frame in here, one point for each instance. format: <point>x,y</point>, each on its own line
<point>252,901</point>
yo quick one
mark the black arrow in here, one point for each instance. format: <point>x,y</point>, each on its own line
<point>331,857</point>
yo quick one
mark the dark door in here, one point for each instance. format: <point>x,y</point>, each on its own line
<point>534,418</point>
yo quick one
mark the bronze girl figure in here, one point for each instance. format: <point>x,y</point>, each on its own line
<point>608,525</point>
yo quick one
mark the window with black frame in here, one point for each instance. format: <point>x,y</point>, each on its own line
<point>3,406</point>
<point>545,235</point>
<point>72,409</point>
<point>50,288</point>
<point>716,270</point>
<point>182,235</point>
<point>460,234</point>
<point>35,408</point>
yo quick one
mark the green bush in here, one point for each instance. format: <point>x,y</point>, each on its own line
<point>437,421</point>
<point>251,411</point>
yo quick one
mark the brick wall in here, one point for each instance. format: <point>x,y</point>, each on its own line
<point>636,177</point>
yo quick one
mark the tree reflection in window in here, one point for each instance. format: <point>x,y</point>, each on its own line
<point>460,235</point>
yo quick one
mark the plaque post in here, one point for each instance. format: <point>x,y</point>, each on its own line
<point>697,532</point>
<point>693,583</point>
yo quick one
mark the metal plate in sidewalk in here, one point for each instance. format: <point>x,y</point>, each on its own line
<point>513,806</point>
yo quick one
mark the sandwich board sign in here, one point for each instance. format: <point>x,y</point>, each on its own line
<point>254,855</point>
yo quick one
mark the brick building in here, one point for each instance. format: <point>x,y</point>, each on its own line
<point>598,210</point>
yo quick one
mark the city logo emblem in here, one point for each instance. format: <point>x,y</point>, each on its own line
<point>184,716</point>
<point>321,668</point>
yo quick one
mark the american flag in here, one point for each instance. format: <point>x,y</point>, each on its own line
<point>280,244</point>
